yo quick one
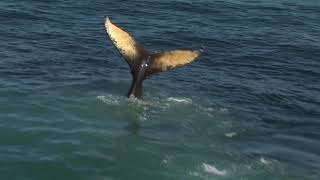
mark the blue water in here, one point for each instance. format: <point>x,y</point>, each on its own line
<point>248,109</point>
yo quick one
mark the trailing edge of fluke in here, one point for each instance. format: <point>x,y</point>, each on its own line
<point>143,64</point>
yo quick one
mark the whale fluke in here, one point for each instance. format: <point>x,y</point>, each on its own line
<point>142,64</point>
<point>172,59</point>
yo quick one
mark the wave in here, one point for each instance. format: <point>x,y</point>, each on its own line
<point>213,170</point>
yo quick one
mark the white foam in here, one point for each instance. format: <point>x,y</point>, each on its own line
<point>139,101</point>
<point>224,110</point>
<point>165,161</point>
<point>213,170</point>
<point>180,100</point>
<point>264,161</point>
<point>212,112</point>
<point>143,116</point>
<point>231,134</point>
<point>109,99</point>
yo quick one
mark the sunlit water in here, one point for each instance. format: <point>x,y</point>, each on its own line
<point>248,109</point>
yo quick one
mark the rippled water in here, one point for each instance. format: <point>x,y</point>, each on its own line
<point>248,109</point>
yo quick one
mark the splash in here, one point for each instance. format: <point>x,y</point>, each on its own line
<point>110,99</point>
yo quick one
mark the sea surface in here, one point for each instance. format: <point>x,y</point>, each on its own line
<point>248,109</point>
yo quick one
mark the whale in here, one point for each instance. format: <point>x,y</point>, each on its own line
<point>142,63</point>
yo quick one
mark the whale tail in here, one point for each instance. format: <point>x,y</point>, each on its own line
<point>143,64</point>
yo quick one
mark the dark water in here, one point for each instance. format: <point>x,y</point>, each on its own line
<point>248,109</point>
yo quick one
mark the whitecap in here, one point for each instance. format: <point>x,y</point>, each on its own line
<point>264,161</point>
<point>223,110</point>
<point>213,170</point>
<point>180,100</point>
<point>231,134</point>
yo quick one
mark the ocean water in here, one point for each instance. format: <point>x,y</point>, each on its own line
<point>248,109</point>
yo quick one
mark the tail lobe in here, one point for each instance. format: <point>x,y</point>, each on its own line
<point>172,59</point>
<point>129,48</point>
